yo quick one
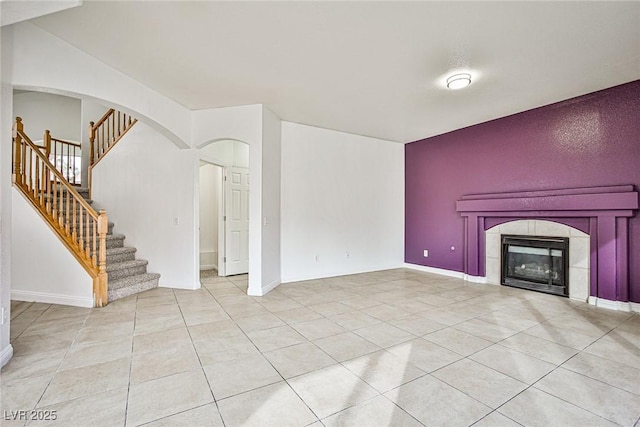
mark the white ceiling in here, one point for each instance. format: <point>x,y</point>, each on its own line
<point>370,68</point>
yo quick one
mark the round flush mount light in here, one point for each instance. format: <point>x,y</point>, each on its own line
<point>459,81</point>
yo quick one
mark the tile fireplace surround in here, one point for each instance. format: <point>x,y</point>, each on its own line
<point>600,212</point>
<point>578,251</point>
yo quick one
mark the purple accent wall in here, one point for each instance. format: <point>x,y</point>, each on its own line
<point>589,141</point>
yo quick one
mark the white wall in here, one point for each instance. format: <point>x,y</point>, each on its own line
<point>40,111</point>
<point>6,120</point>
<point>42,268</point>
<point>147,187</point>
<point>210,186</point>
<point>341,193</point>
<point>271,201</point>
<point>45,62</point>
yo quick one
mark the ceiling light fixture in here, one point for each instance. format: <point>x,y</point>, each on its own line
<point>459,81</point>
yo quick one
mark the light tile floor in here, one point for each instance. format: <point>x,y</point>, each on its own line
<point>389,348</point>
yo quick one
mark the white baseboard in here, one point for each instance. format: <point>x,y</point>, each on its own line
<point>476,279</point>
<point>182,285</point>
<point>448,273</point>
<point>326,275</point>
<point>47,298</point>
<point>440,271</point>
<point>262,292</point>
<point>626,306</point>
<point>6,355</point>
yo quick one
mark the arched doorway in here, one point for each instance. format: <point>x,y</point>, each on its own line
<point>224,207</point>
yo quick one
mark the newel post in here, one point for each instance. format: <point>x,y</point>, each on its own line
<point>46,139</point>
<point>102,295</point>
<point>17,150</point>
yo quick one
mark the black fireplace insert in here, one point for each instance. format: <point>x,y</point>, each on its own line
<point>536,263</point>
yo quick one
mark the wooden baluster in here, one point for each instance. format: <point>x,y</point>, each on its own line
<point>23,165</point>
<point>29,171</point>
<point>80,233</point>
<point>74,234</point>
<point>61,207</point>
<point>48,193</point>
<point>72,163</point>
<point>102,259</point>
<point>76,177</point>
<point>87,236</point>
<point>92,137</point>
<point>17,150</point>
<point>113,129</point>
<point>119,125</point>
<point>54,205</point>
<point>43,184</point>
<point>36,177</point>
<point>67,218</point>
<point>94,240</point>
<point>56,195</point>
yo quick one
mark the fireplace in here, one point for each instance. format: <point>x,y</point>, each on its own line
<point>536,263</point>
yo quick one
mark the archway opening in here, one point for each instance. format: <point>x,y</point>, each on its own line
<point>224,209</point>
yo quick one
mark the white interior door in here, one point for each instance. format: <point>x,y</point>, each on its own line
<point>236,220</point>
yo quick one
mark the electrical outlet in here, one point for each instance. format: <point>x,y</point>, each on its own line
<point>346,254</point>
<point>317,258</point>
<point>426,253</point>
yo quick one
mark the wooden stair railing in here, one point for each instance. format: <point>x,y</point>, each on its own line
<point>105,134</point>
<point>82,230</point>
<point>64,155</point>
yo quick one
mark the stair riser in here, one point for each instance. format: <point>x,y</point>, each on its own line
<point>130,256</point>
<point>126,272</point>
<point>130,290</point>
<point>115,243</point>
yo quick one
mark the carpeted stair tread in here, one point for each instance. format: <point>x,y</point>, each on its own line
<point>115,240</point>
<point>119,270</point>
<point>122,250</point>
<point>126,264</point>
<point>132,285</point>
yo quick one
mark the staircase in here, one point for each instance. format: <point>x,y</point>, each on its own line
<point>87,234</point>
<point>126,274</point>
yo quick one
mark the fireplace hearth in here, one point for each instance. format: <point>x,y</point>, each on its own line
<point>536,263</point>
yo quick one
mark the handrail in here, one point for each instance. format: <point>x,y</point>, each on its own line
<point>65,155</point>
<point>104,134</point>
<point>82,230</point>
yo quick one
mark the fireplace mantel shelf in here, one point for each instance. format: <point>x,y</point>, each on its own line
<point>618,198</point>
